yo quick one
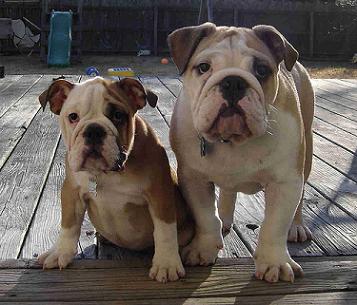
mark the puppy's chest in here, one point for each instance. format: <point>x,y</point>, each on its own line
<point>108,191</point>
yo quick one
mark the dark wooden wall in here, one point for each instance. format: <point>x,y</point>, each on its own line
<point>316,28</point>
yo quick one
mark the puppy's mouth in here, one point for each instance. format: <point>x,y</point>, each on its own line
<point>229,123</point>
<point>93,160</point>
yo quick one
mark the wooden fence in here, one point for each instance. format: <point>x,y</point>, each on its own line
<point>318,29</point>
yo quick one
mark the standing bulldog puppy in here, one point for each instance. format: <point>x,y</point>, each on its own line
<point>116,169</point>
<point>243,123</point>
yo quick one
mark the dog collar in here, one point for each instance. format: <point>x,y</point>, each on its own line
<point>204,144</point>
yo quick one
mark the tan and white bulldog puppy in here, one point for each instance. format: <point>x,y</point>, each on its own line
<point>118,171</point>
<point>243,123</point>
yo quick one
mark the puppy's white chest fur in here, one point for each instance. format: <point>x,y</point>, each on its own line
<point>117,208</point>
<point>110,189</point>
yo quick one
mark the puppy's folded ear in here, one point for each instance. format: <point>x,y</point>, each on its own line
<point>56,95</point>
<point>136,93</point>
<point>278,45</point>
<point>183,43</point>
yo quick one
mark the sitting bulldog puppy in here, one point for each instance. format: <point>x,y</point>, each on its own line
<point>243,123</point>
<point>118,171</point>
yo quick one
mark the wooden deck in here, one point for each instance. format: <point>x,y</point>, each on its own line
<point>32,170</point>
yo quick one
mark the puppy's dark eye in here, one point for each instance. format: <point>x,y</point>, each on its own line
<point>119,117</point>
<point>203,67</point>
<point>73,117</point>
<point>262,71</point>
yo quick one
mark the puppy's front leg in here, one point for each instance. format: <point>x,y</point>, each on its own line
<point>166,263</point>
<point>272,259</point>
<point>63,252</point>
<point>208,240</point>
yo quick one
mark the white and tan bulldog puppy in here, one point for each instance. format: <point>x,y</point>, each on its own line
<point>118,171</point>
<point>243,123</point>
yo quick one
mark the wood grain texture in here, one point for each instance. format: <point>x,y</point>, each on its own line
<point>349,81</point>
<point>248,216</point>
<point>339,87</point>
<point>336,120</point>
<point>117,281</point>
<point>324,298</point>
<point>333,230</point>
<point>334,186</point>
<point>23,177</point>
<point>15,91</point>
<point>8,80</point>
<point>335,135</point>
<point>334,98</point>
<point>166,98</point>
<point>14,123</point>
<point>337,157</point>
<point>172,83</point>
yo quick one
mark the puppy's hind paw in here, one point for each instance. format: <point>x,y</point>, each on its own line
<point>299,233</point>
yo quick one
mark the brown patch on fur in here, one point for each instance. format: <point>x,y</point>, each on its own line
<point>137,214</point>
<point>184,41</point>
<point>56,95</point>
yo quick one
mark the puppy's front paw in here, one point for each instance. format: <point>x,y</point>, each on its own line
<point>202,250</point>
<point>299,233</point>
<point>272,265</point>
<point>166,268</point>
<point>56,258</point>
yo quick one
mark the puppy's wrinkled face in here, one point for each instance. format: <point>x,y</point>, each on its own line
<point>230,79</point>
<point>97,120</point>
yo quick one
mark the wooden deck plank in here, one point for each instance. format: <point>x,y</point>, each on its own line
<point>25,172</point>
<point>7,81</point>
<point>341,88</point>
<point>325,298</point>
<point>338,109</point>
<point>166,98</point>
<point>349,80</point>
<point>333,230</point>
<point>107,281</point>
<point>22,179</point>
<point>335,135</point>
<point>337,157</point>
<point>172,83</point>
<point>334,186</point>
<point>14,123</point>
<point>336,120</point>
<point>248,216</point>
<point>333,88</point>
<point>15,91</point>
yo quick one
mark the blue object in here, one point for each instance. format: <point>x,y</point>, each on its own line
<point>92,71</point>
<point>60,39</point>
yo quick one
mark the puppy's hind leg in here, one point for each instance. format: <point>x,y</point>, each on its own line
<point>226,205</point>
<point>299,232</point>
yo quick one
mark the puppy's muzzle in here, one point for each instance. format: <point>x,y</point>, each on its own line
<point>233,89</point>
<point>94,136</point>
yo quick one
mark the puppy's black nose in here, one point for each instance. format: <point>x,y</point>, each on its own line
<point>94,134</point>
<point>233,88</point>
